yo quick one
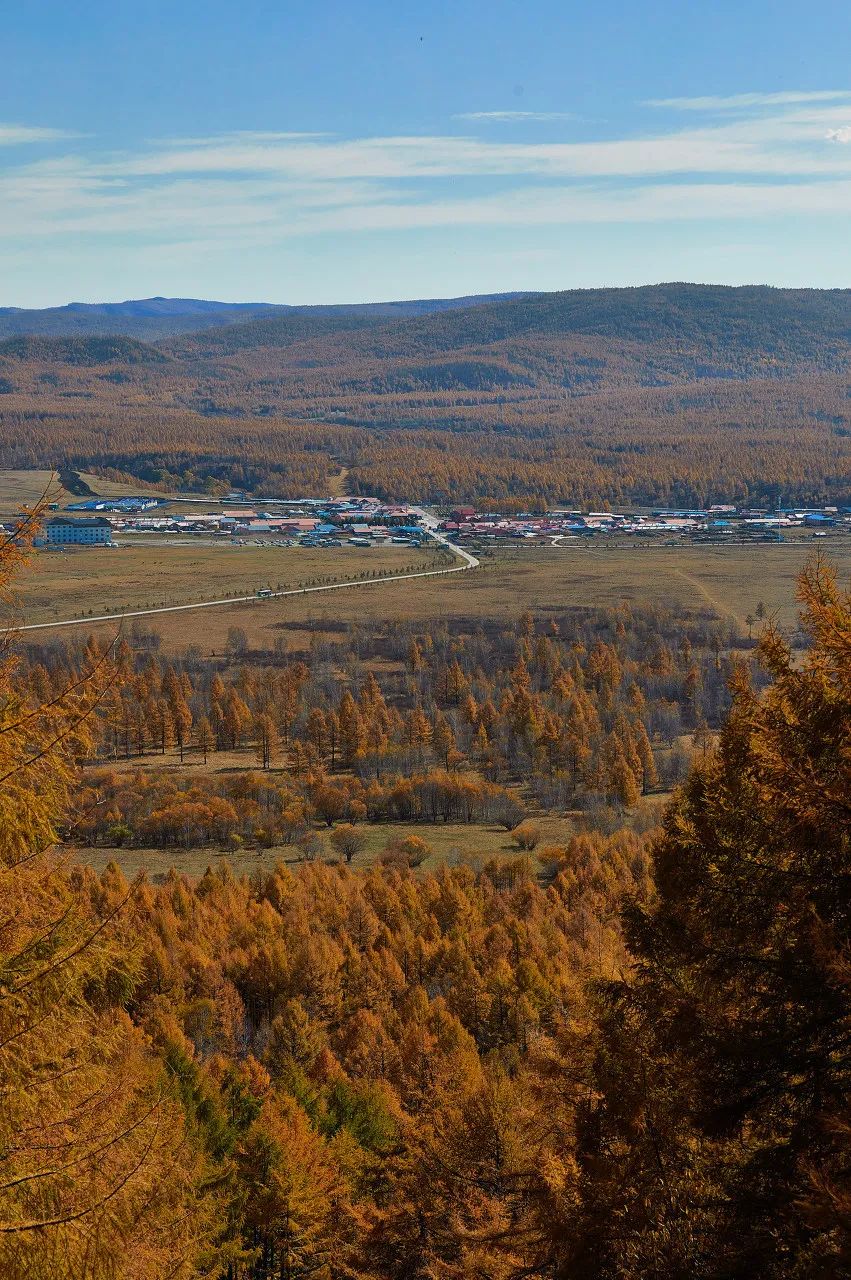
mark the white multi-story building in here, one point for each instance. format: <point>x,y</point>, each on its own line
<point>65,530</point>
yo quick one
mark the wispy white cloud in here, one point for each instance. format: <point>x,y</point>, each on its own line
<point>747,101</point>
<point>242,135</point>
<point>791,143</point>
<point>571,206</point>
<point>511,117</point>
<point>13,135</point>
<point>265,187</point>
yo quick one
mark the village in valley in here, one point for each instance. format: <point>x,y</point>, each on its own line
<point>367,521</point>
<point>714,523</point>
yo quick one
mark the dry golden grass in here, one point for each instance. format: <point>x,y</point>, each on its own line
<point>24,488</point>
<point>728,580</point>
<point>149,573</point>
<point>449,842</point>
<point>115,488</point>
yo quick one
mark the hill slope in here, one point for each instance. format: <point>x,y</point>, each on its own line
<point>546,346</point>
<point>713,316</point>
<point>86,352</point>
<point>671,393</point>
<point>713,320</point>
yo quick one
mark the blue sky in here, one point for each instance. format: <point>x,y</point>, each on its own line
<point>323,151</point>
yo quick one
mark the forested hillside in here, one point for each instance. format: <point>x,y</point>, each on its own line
<point>89,352</point>
<point>793,324</point>
<point>678,394</point>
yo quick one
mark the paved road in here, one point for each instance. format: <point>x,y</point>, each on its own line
<point>430,522</point>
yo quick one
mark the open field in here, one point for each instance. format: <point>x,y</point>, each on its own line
<point>450,842</point>
<point>728,580</point>
<point>115,488</point>
<point>24,488</point>
<point>137,575</point>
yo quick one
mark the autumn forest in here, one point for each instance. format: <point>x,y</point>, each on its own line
<point>674,394</point>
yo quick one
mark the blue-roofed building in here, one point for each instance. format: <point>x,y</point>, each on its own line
<point>134,504</point>
<point>115,504</point>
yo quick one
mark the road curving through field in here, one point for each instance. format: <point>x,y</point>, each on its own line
<point>467,561</point>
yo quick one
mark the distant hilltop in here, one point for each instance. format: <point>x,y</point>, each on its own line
<point>713,318</point>
<point>154,318</point>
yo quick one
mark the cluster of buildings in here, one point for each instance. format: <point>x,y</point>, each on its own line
<point>309,522</point>
<point>366,521</point>
<point>713,523</point>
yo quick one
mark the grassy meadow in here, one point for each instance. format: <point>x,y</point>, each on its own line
<point>729,581</point>
<point>149,572</point>
<point>450,842</point>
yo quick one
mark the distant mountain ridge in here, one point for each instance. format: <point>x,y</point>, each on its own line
<point>154,318</point>
<point>712,317</point>
<point>568,343</point>
<point>146,318</point>
<point>575,339</point>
